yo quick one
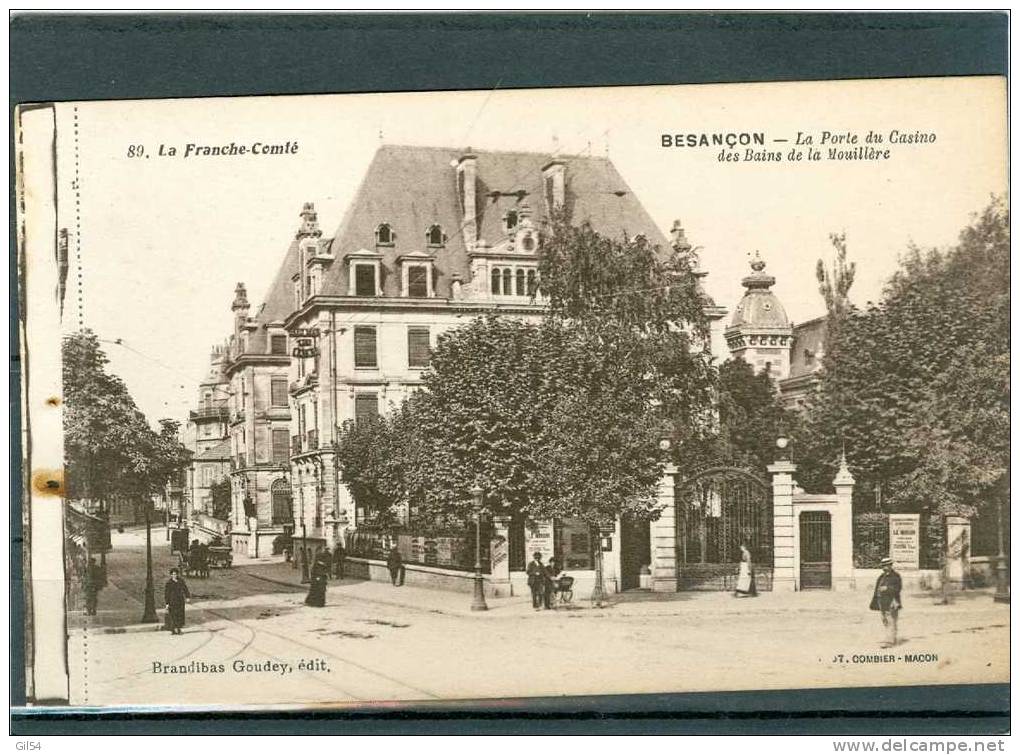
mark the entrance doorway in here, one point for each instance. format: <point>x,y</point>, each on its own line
<point>815,550</point>
<point>635,551</point>
<point>718,510</point>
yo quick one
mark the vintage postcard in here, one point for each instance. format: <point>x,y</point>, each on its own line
<point>350,399</point>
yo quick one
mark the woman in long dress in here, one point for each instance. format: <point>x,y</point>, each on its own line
<point>746,587</point>
<point>175,595</point>
<point>320,573</point>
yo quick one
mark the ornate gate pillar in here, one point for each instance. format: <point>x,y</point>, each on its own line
<point>843,528</point>
<point>663,536</point>
<point>784,575</point>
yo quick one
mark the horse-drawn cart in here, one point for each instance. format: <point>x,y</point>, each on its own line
<point>220,557</point>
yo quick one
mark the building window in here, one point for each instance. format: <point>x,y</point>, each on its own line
<point>366,407</point>
<point>278,393</point>
<point>281,451</point>
<point>507,281</point>
<point>496,288</point>
<point>519,282</point>
<point>510,220</point>
<point>418,281</point>
<point>364,346</point>
<point>434,236</point>
<point>278,345</point>
<point>384,235</point>
<point>282,511</point>
<point>419,351</point>
<point>532,283</point>
<point>364,280</point>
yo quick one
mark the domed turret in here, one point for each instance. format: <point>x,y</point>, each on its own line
<point>760,332</point>
<point>759,307</point>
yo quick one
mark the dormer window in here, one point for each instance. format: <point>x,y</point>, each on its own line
<point>417,281</point>
<point>434,236</point>
<point>416,276</point>
<point>510,220</point>
<point>384,235</point>
<point>365,279</point>
<point>278,345</point>
<point>364,273</point>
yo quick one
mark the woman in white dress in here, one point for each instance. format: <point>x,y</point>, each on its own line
<point>746,587</point>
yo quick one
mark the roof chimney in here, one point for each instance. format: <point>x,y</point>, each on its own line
<point>467,176</point>
<point>554,175</point>
<point>309,222</point>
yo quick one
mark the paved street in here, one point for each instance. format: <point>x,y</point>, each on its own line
<point>374,642</point>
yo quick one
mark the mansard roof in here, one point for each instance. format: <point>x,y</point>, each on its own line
<point>278,305</point>
<point>411,188</point>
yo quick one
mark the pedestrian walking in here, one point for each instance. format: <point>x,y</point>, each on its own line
<point>175,595</point>
<point>537,580</point>
<point>320,573</point>
<point>746,587</point>
<point>327,555</point>
<point>92,583</point>
<point>338,560</point>
<point>396,566</point>
<point>886,599</point>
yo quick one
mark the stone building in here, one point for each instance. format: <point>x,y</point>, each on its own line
<point>207,436</point>
<point>256,367</point>
<point>432,238</point>
<point>762,335</point>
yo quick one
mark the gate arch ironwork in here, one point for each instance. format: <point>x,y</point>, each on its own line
<point>717,508</point>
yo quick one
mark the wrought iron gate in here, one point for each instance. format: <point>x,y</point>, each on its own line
<point>717,510</point>
<point>815,550</point>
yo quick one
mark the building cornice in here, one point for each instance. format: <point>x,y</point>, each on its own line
<point>253,360</point>
<point>399,304</point>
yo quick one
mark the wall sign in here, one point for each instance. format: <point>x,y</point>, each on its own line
<point>905,540</point>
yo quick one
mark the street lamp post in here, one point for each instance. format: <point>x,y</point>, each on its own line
<point>149,612</point>
<point>478,603</point>
<point>1001,579</point>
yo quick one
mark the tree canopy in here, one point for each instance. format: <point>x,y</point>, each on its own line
<point>917,385</point>
<point>109,447</point>
<point>556,418</point>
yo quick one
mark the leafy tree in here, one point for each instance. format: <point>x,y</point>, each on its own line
<point>751,417</point>
<point>834,284</point>
<point>110,449</point>
<point>917,386</point>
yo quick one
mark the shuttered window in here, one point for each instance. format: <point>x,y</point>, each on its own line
<point>418,350</point>
<point>281,450</point>
<point>364,346</point>
<point>364,280</point>
<point>417,281</point>
<point>279,391</point>
<point>278,345</point>
<point>366,407</point>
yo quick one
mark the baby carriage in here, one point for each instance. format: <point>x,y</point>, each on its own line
<point>563,589</point>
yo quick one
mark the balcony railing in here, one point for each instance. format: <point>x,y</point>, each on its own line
<point>209,412</point>
<point>304,382</point>
<point>302,444</point>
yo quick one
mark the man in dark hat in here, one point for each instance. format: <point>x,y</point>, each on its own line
<point>536,580</point>
<point>886,599</point>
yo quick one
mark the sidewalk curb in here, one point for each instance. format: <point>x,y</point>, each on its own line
<point>384,602</point>
<point>129,629</point>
